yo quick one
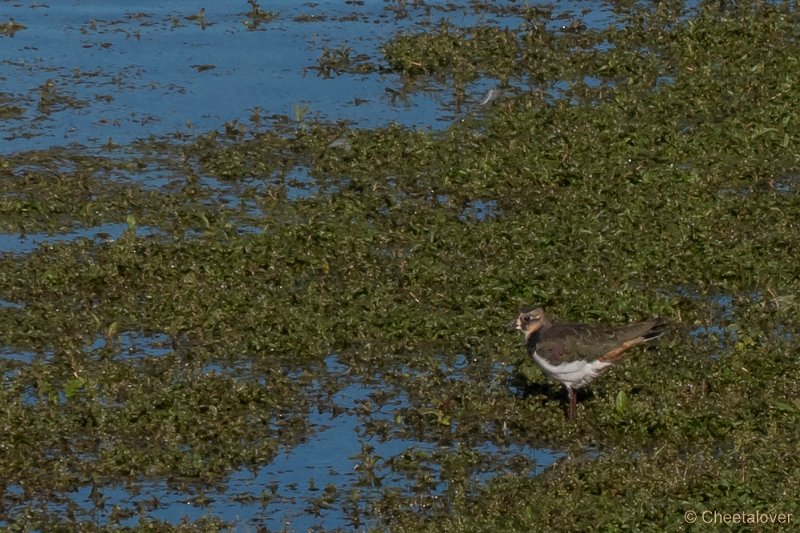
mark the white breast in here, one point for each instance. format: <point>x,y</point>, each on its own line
<point>575,374</point>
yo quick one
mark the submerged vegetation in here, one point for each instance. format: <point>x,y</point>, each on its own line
<point>650,168</point>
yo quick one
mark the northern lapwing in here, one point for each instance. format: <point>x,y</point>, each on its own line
<point>575,354</point>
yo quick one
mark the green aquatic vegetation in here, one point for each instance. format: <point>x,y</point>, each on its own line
<point>8,110</point>
<point>654,193</point>
<point>465,54</point>
<point>342,60</point>
<point>11,27</point>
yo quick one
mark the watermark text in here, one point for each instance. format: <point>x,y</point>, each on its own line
<point>740,517</point>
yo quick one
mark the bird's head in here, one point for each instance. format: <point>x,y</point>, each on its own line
<point>529,321</point>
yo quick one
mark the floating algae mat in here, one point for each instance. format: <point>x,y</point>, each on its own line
<point>256,262</point>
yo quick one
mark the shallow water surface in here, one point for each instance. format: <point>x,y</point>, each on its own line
<point>89,71</point>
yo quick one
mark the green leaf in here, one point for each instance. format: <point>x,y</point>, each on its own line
<point>621,402</point>
<point>74,386</point>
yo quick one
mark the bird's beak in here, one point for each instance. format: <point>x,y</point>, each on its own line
<point>512,326</point>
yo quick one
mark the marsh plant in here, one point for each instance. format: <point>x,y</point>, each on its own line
<point>647,168</point>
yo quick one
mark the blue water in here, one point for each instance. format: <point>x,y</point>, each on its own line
<point>22,243</point>
<point>132,69</point>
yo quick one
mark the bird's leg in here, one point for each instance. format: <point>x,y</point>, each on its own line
<point>572,403</point>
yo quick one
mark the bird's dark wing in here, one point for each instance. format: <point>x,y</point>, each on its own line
<point>564,343</point>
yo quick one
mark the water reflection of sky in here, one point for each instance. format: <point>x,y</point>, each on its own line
<point>23,243</point>
<point>140,69</point>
